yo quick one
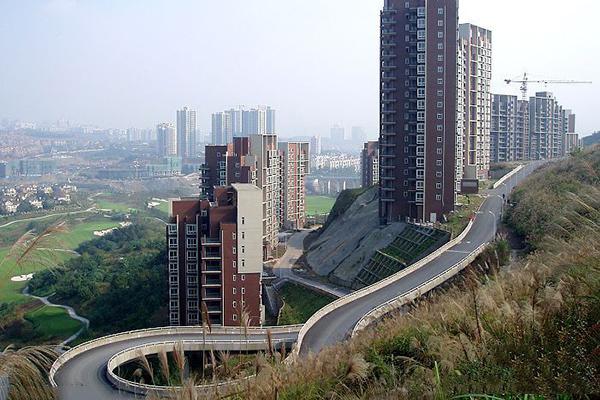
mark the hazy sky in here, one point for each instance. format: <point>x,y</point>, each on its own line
<point>121,63</point>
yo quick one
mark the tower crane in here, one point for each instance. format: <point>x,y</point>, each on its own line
<point>526,81</point>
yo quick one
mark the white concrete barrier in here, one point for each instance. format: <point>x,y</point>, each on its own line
<point>145,333</point>
<point>133,353</point>
<point>507,176</point>
<point>405,298</point>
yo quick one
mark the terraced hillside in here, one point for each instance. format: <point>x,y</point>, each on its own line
<point>412,244</point>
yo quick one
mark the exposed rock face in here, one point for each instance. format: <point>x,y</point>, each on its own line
<point>350,240</point>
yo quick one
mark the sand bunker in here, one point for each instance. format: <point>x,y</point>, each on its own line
<point>21,278</point>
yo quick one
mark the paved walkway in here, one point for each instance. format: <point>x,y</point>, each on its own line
<point>72,313</point>
<point>283,267</point>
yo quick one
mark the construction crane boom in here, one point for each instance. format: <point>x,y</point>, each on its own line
<point>525,81</point>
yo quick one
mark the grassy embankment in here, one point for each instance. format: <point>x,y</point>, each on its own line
<point>531,327</point>
<point>300,303</point>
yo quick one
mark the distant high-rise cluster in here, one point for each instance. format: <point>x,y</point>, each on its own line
<point>242,122</point>
<point>535,129</point>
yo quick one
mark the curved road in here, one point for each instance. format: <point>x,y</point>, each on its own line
<point>83,377</point>
<point>339,323</point>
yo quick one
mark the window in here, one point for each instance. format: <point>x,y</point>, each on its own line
<point>421,23</point>
<point>421,35</point>
<point>420,104</point>
<point>420,92</point>
<point>243,277</point>
<point>420,11</point>
<point>420,58</point>
<point>234,304</point>
<point>440,81</point>
<point>420,115</point>
<point>440,69</point>
<point>440,22</point>
<point>440,104</point>
<point>440,57</point>
<point>421,81</point>
<point>234,250</point>
<point>438,163</point>
<point>190,229</point>
<point>234,317</point>
<point>420,185</point>
<point>419,196</point>
<point>421,69</point>
<point>243,290</point>
<point>243,220</point>
<point>440,46</point>
<point>173,242</point>
<point>234,290</point>
<point>191,242</point>
<point>438,185</point>
<point>440,92</point>
<point>172,229</point>
<point>191,255</point>
<point>439,139</point>
<point>203,213</point>
<point>243,249</point>
<point>234,277</point>
<point>438,174</point>
<point>243,262</point>
<point>173,267</point>
<point>243,235</point>
<point>438,197</point>
<point>192,279</point>
<point>440,11</point>
<point>440,34</point>
<point>172,254</point>
<point>440,116</point>
<point>439,150</point>
<point>174,279</point>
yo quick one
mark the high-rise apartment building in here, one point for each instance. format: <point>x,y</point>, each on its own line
<point>222,128</point>
<point>215,258</point>
<point>254,159</point>
<point>166,140</point>
<point>186,133</point>
<point>509,134</point>
<point>547,128</point>
<point>571,137</point>
<point>475,46</point>
<point>337,134</point>
<point>369,160</point>
<point>417,146</point>
<point>294,168</point>
<point>316,145</point>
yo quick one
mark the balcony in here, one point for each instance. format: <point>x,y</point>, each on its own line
<point>212,255</point>
<point>210,242</point>
<point>212,280</point>
<point>212,294</point>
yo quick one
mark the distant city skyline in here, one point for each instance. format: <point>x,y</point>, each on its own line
<point>125,63</point>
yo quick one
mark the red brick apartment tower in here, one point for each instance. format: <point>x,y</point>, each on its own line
<point>369,162</point>
<point>215,257</point>
<point>226,164</point>
<point>417,141</point>
<point>295,167</point>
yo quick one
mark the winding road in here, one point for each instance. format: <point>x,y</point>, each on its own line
<point>81,373</point>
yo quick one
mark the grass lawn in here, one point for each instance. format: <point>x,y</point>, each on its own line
<point>79,232</point>
<point>106,204</point>
<point>163,206</point>
<point>52,322</point>
<point>319,204</point>
<point>300,303</point>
